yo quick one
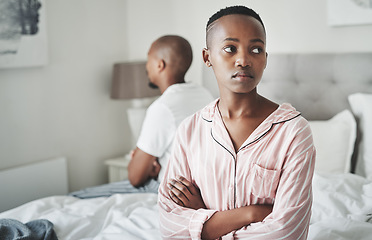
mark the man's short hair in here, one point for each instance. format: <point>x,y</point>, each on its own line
<point>234,10</point>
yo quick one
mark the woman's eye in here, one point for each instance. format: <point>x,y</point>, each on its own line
<point>229,49</point>
<point>257,50</point>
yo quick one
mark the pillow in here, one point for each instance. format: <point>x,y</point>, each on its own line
<point>334,141</point>
<point>361,105</point>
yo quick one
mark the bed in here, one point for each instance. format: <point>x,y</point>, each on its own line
<point>333,91</point>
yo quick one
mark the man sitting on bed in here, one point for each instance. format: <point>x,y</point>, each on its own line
<point>169,58</point>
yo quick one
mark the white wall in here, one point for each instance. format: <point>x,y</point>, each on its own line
<point>64,108</point>
<point>293,26</point>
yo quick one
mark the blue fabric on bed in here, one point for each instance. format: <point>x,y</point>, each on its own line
<point>120,187</point>
<point>42,229</point>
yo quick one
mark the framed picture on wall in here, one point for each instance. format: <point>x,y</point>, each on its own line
<point>23,38</point>
<point>349,12</point>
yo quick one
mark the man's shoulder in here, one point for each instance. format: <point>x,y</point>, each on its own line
<point>203,115</point>
<point>185,90</point>
<point>185,102</point>
<point>158,108</point>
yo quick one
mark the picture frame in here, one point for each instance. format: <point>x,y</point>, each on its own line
<point>23,37</point>
<point>349,12</point>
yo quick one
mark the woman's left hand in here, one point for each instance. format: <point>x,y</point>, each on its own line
<point>185,194</point>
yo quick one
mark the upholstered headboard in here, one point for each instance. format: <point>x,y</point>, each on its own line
<point>315,84</point>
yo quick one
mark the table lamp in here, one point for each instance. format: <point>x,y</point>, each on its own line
<point>130,81</point>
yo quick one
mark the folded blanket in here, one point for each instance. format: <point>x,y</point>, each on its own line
<point>121,187</point>
<point>42,229</point>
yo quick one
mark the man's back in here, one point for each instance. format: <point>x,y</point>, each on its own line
<point>163,117</point>
<point>184,99</point>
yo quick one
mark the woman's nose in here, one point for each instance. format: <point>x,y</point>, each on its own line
<point>243,60</point>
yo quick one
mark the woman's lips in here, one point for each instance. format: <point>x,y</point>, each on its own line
<point>242,75</point>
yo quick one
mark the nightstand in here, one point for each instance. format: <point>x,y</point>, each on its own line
<point>118,168</point>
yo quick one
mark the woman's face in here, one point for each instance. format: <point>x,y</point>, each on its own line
<point>236,51</point>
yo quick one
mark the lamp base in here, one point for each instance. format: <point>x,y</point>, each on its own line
<point>136,115</point>
<point>135,119</point>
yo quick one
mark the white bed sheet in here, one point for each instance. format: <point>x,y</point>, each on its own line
<point>121,216</point>
<point>342,209</point>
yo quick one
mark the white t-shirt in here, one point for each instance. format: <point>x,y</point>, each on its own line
<point>165,114</point>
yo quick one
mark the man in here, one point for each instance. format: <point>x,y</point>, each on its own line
<point>169,58</point>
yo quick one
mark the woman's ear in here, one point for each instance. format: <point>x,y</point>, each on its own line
<point>206,57</point>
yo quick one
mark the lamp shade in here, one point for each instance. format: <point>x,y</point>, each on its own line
<point>130,81</point>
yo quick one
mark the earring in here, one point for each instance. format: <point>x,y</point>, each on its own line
<point>209,64</point>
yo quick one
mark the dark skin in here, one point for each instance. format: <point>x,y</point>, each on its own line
<point>142,167</point>
<point>185,194</point>
<point>168,60</point>
<point>237,53</point>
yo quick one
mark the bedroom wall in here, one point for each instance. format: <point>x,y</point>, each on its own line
<point>292,27</point>
<point>64,108</point>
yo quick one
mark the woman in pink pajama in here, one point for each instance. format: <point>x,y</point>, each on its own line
<point>241,167</point>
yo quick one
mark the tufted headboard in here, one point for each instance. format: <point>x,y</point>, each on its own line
<point>315,84</point>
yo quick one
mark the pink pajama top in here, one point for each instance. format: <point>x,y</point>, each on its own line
<point>275,165</point>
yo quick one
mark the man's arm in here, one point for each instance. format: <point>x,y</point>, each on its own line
<point>157,133</point>
<point>142,167</point>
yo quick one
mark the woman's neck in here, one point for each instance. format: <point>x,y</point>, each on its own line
<point>239,105</point>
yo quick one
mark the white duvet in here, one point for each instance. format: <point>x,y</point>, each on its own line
<point>342,209</point>
<point>121,216</point>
